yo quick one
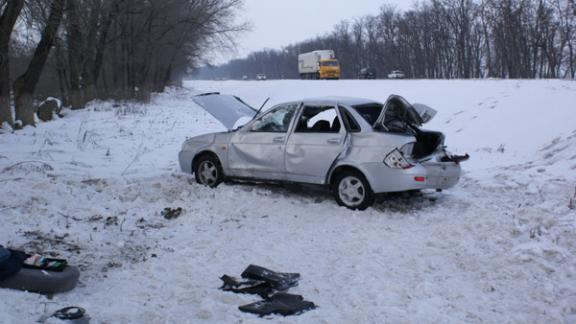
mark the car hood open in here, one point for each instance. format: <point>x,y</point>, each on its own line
<point>227,109</point>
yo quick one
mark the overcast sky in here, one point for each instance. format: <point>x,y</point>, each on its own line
<point>277,23</point>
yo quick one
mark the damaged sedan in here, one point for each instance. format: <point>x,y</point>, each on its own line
<point>356,147</point>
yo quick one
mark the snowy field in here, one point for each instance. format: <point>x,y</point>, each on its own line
<point>500,247</point>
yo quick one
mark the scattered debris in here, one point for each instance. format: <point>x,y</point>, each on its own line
<point>42,242</point>
<point>572,204</point>
<point>277,280</point>
<point>73,314</point>
<point>143,224</point>
<point>281,303</point>
<point>111,220</point>
<point>455,158</point>
<point>247,286</point>
<point>266,284</point>
<point>171,213</point>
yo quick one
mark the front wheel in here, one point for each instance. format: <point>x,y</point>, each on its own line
<point>208,171</point>
<point>352,190</point>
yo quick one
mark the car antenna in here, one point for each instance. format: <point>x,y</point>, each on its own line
<point>261,107</point>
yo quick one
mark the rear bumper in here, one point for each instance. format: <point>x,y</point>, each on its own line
<point>431,175</point>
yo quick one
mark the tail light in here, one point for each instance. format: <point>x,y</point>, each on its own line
<point>397,160</point>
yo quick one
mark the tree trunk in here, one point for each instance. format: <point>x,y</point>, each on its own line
<point>25,84</point>
<point>7,21</point>
<point>74,37</point>
<point>110,15</point>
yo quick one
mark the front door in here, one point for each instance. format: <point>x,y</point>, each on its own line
<point>257,150</point>
<point>317,140</point>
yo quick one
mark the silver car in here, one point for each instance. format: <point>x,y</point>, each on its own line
<point>356,147</point>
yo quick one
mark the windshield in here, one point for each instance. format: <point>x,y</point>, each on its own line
<point>329,63</point>
<point>369,112</point>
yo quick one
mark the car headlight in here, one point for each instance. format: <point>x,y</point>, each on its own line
<point>396,160</point>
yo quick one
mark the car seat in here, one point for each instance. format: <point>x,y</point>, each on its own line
<point>321,126</point>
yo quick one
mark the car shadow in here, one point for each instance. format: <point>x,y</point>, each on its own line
<point>401,202</point>
<point>407,202</point>
<point>306,192</point>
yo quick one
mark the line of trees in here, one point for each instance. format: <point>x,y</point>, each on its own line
<point>80,50</point>
<point>439,39</point>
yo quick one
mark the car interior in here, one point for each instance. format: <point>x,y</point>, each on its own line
<point>318,120</point>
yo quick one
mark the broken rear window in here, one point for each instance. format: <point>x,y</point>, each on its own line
<point>369,112</point>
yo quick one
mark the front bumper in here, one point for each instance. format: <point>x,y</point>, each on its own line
<point>185,158</point>
<point>435,175</point>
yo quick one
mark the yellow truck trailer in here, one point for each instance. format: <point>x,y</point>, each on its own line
<point>318,65</point>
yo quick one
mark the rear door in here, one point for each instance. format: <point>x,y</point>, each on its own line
<point>317,140</point>
<point>257,150</point>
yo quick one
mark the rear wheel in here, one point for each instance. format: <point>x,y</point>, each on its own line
<point>208,171</point>
<point>352,190</point>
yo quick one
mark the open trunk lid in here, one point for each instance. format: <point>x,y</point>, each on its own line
<point>397,107</point>
<point>227,109</point>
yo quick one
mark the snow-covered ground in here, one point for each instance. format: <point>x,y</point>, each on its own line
<point>499,248</point>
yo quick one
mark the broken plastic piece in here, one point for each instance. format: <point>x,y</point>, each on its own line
<point>73,314</point>
<point>277,280</point>
<point>281,303</point>
<point>455,158</point>
<point>246,286</point>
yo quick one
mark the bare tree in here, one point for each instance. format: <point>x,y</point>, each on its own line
<point>444,39</point>
<point>11,11</point>
<point>25,84</point>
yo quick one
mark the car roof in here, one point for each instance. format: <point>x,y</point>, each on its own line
<point>350,101</point>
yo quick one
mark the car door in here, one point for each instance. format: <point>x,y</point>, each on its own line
<point>257,150</point>
<point>317,140</point>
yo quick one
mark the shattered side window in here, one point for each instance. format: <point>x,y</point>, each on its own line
<point>276,121</point>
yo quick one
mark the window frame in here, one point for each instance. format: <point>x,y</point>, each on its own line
<point>301,113</point>
<point>346,117</point>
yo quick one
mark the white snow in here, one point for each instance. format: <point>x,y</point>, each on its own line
<point>499,247</point>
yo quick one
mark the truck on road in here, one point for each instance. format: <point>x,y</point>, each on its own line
<point>318,65</point>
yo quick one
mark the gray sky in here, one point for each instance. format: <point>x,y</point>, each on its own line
<point>277,23</point>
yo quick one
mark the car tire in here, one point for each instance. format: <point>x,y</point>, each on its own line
<point>208,171</point>
<point>352,190</point>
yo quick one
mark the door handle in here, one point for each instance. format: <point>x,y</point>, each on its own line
<point>333,141</point>
<point>278,139</point>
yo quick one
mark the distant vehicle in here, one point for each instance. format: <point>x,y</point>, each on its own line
<point>318,65</point>
<point>367,73</point>
<point>244,77</point>
<point>261,77</point>
<point>397,74</point>
<point>355,147</point>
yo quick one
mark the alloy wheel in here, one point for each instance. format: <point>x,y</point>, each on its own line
<point>351,191</point>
